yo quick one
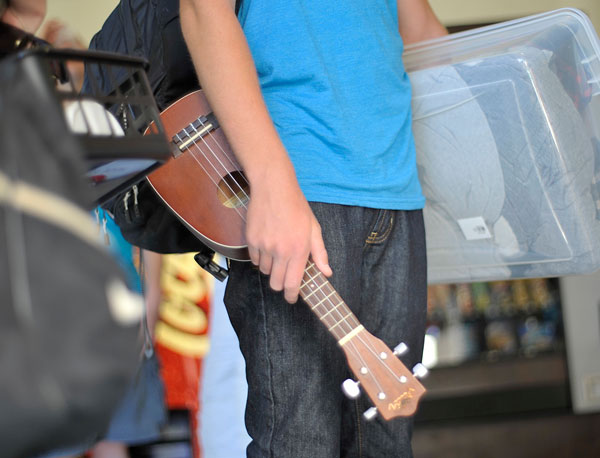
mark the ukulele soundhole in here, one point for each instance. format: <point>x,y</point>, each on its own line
<point>233,190</point>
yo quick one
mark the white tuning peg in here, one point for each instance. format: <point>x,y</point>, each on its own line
<point>370,413</point>
<point>420,370</point>
<point>351,388</point>
<point>400,349</point>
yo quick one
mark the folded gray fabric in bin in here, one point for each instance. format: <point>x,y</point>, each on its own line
<point>459,169</point>
<point>499,139</point>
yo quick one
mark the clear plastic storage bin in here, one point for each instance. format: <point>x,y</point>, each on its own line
<point>506,123</point>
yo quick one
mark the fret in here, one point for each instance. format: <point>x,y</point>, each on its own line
<point>345,324</point>
<point>341,321</point>
<point>313,291</point>
<point>348,337</point>
<point>323,300</point>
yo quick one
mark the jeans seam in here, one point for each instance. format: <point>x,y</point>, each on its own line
<point>268,365</point>
<point>358,429</point>
<point>375,227</point>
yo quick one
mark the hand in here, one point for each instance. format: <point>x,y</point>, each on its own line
<point>282,232</point>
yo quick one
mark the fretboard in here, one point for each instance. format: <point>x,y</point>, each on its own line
<point>327,304</point>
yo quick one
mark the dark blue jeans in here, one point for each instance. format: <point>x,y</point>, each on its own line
<point>295,407</point>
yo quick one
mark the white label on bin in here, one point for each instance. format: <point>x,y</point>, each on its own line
<point>474,228</point>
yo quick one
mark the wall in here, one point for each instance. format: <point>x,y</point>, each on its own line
<point>455,12</point>
<point>85,17</point>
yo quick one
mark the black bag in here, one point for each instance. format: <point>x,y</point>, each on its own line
<point>13,39</point>
<point>150,29</point>
<point>69,328</point>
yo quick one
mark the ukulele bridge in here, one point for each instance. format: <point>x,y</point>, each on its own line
<point>194,132</point>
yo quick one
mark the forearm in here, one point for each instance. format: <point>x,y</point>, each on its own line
<point>228,77</point>
<point>281,230</point>
<point>417,21</point>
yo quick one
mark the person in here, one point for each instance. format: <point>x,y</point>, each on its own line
<point>315,103</point>
<point>141,414</point>
<point>26,15</point>
<point>61,36</point>
<point>19,21</point>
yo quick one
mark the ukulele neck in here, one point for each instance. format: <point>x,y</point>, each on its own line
<point>327,304</point>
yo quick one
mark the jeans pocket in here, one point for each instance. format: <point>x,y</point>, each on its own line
<point>382,227</point>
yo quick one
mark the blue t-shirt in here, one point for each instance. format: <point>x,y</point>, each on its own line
<point>333,80</point>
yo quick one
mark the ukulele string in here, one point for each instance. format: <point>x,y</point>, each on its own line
<point>224,168</point>
<point>365,343</point>
<point>327,296</point>
<point>195,157</point>
<point>232,165</point>
<point>352,346</point>
<point>215,168</point>
<point>340,323</point>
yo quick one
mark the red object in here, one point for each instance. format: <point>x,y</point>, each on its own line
<point>181,338</point>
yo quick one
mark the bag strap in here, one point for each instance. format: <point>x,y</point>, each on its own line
<point>47,206</point>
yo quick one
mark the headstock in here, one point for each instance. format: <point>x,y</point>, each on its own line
<point>393,389</point>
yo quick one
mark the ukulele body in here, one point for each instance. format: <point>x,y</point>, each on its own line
<point>203,185</point>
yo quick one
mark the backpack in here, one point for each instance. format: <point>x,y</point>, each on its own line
<point>69,340</point>
<point>149,29</point>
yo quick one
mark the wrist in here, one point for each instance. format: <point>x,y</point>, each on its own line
<point>270,170</point>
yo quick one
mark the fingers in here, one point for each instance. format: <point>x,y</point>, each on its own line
<point>261,259</point>
<point>287,271</point>
<point>286,275</point>
<point>254,254</point>
<point>277,274</point>
<point>318,251</point>
<point>280,242</point>
<point>293,279</point>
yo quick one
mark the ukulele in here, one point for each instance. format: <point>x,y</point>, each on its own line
<point>204,168</point>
